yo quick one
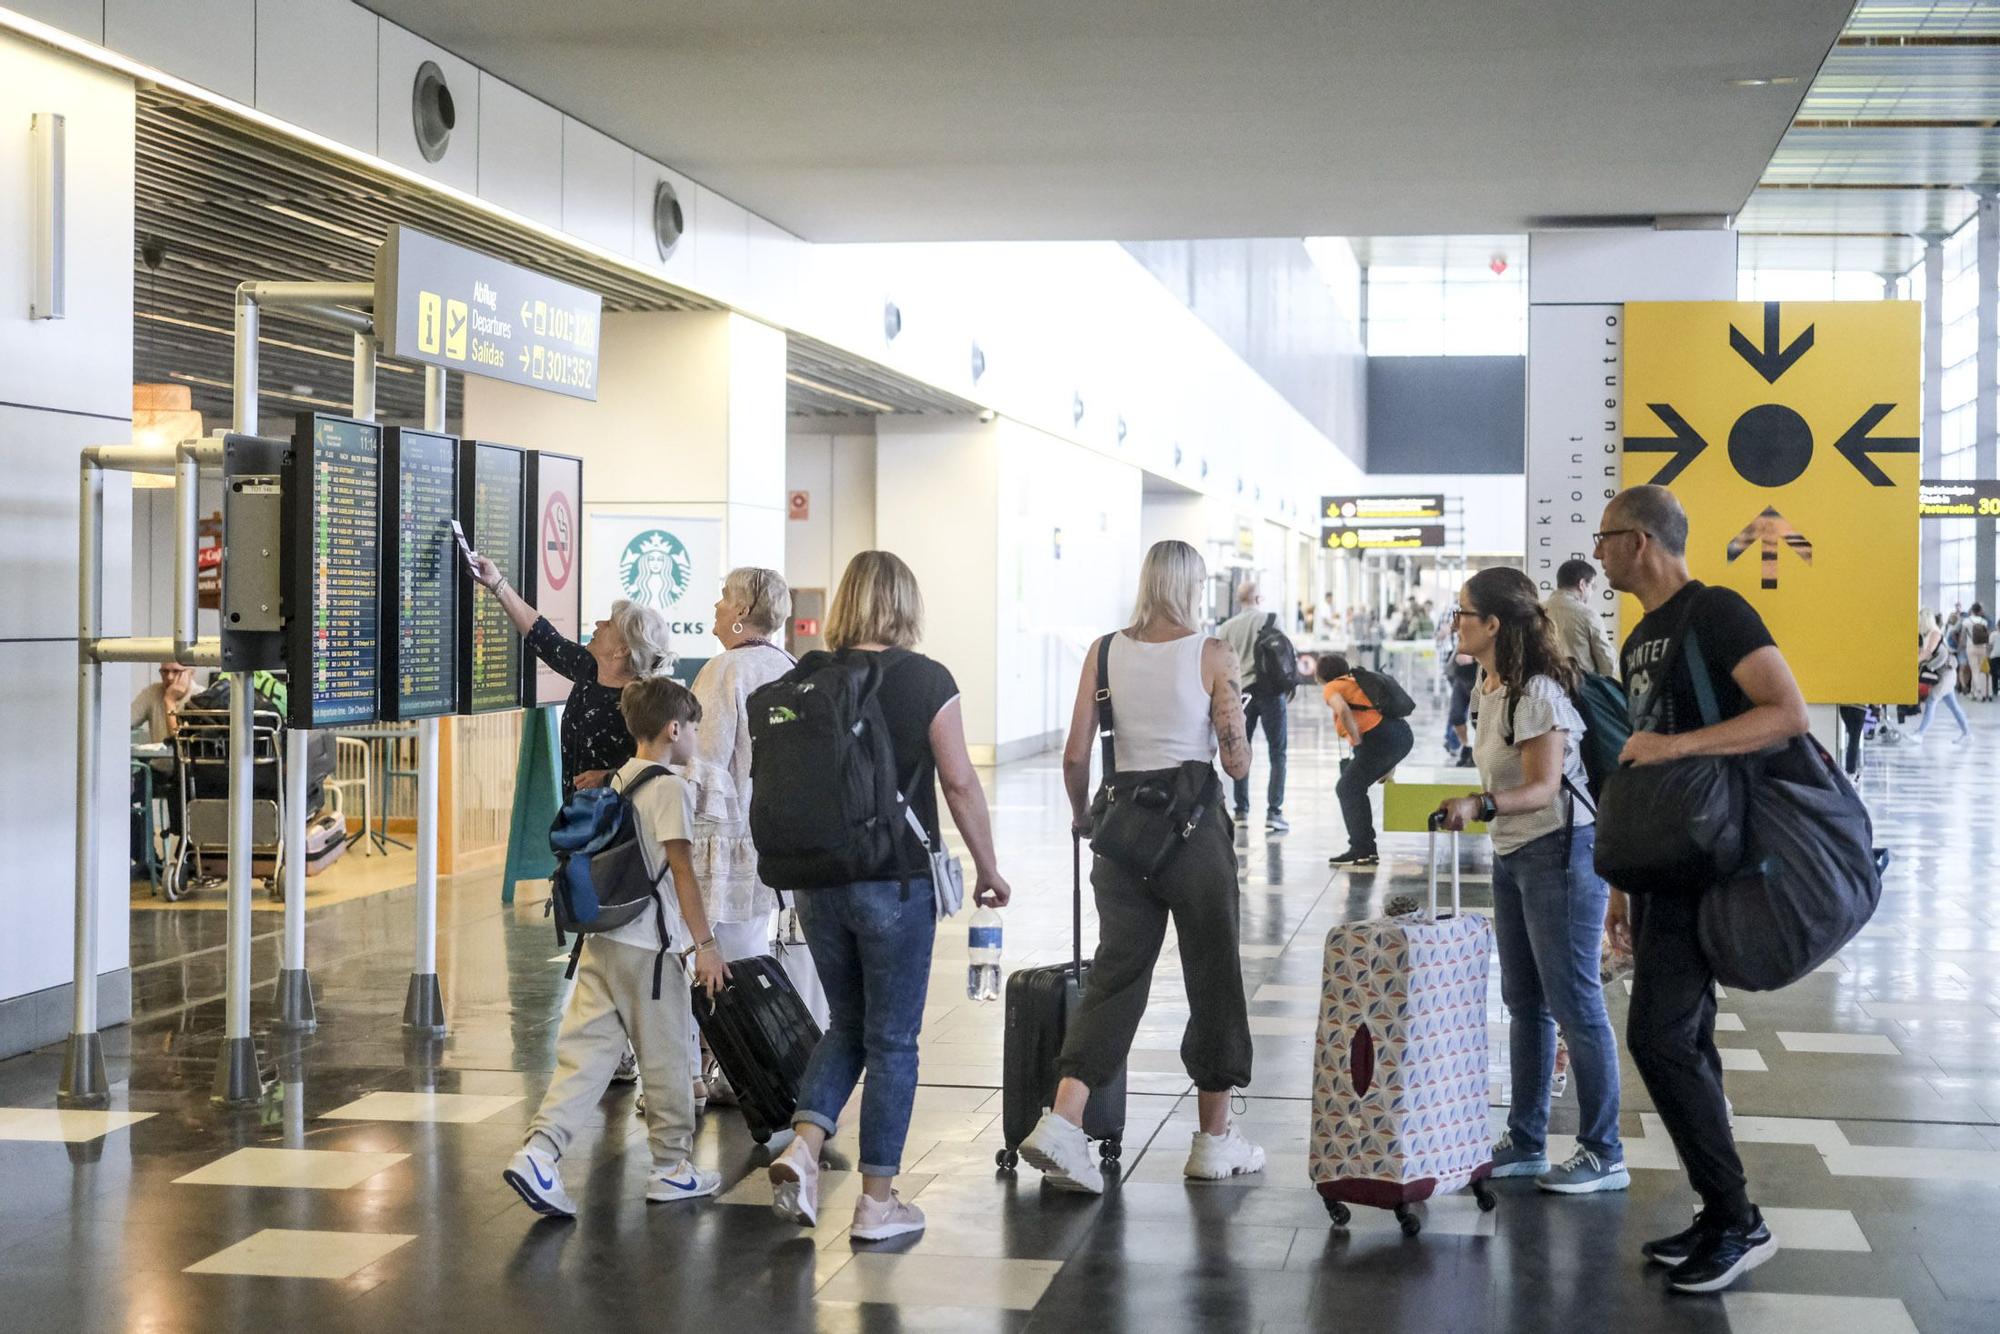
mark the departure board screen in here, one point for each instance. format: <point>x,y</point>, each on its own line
<point>423,573</point>
<point>491,504</point>
<point>333,594</point>
<point>555,520</point>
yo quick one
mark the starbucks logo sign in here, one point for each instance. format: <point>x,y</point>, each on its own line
<point>655,570</point>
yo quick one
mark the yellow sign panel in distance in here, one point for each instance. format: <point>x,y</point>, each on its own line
<point>1789,430</point>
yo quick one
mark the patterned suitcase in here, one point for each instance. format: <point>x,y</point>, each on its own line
<point>1399,1082</point>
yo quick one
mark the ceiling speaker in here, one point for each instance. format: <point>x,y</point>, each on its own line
<point>433,115</point>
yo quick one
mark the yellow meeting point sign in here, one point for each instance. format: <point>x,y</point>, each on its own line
<point>1789,430</point>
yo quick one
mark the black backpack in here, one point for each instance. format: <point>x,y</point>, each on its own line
<point>1276,660</point>
<point>824,806</point>
<point>1385,696</point>
<point>1607,726</point>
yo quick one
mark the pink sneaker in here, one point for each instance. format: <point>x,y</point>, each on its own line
<point>795,1185</point>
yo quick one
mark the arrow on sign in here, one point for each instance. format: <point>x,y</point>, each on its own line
<point>1768,530</point>
<point>1856,446</point>
<point>1772,359</point>
<point>1685,444</point>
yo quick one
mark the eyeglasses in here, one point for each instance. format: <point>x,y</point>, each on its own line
<point>1457,612</point>
<point>1598,538</point>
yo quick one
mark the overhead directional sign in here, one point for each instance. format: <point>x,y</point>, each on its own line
<point>447,306</point>
<point>1789,432</point>
<point>1958,498</point>
<point>1381,509</point>
<point>1382,537</point>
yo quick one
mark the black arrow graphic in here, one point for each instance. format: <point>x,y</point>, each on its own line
<point>1856,446</point>
<point>1771,360</point>
<point>1685,444</point>
<point>1767,530</point>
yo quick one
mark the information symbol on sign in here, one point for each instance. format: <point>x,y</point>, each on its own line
<point>430,322</point>
<point>558,541</point>
<point>1814,407</point>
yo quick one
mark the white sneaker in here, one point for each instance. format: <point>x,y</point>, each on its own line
<point>795,1185</point>
<point>879,1220</point>
<point>1218,1157</point>
<point>684,1181</point>
<point>1062,1153</point>
<point>534,1177</point>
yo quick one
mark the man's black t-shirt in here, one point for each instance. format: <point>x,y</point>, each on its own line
<point>913,689</point>
<point>1728,630</point>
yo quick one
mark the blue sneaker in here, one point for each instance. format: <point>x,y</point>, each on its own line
<point>1585,1174</point>
<point>1509,1161</point>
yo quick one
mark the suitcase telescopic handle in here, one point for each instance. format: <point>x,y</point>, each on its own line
<point>1437,823</point>
<point>1076,902</point>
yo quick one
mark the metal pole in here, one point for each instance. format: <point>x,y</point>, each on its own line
<point>295,997</point>
<point>237,1083</point>
<point>83,1079</point>
<point>423,1007</point>
<point>364,376</point>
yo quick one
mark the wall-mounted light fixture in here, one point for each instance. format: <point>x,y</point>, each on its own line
<point>1076,410</point>
<point>669,223</point>
<point>892,321</point>
<point>978,362</point>
<point>1121,429</point>
<point>48,297</point>
<point>1177,456</point>
<point>433,113</point>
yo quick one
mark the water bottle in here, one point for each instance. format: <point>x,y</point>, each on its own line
<point>982,939</point>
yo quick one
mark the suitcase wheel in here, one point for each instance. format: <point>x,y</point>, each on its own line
<point>1412,1222</point>
<point>1338,1213</point>
<point>1111,1150</point>
<point>1483,1193</point>
<point>1006,1160</point>
<point>760,1136</point>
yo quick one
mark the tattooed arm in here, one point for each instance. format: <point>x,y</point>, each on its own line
<point>1081,744</point>
<point>1225,706</point>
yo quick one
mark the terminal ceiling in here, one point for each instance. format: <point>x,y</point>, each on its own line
<point>873,120</point>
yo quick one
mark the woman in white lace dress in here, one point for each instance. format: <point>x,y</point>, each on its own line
<point>749,617</point>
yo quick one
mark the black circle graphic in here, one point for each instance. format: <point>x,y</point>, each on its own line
<point>1770,445</point>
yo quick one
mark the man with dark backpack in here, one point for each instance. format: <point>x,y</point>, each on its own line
<point>1371,713</point>
<point>1270,675</point>
<point>620,995</point>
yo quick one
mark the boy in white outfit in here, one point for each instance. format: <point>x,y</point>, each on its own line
<point>613,1002</point>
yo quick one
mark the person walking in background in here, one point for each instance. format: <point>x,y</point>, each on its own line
<point>1177,700</point>
<point>1579,628</point>
<point>1268,709</point>
<point>872,939</point>
<point>1380,744</point>
<point>1977,638</point>
<point>1937,666</point>
<point>1670,1027</point>
<point>1548,904</point>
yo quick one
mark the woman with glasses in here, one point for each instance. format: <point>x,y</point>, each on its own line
<point>1548,904</point>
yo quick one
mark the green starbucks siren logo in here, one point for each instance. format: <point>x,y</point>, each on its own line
<point>655,570</point>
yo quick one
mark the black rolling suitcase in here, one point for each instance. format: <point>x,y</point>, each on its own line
<point>762,1035</point>
<point>1039,1004</point>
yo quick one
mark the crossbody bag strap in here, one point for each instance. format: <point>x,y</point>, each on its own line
<point>1647,717</point>
<point>1704,684</point>
<point>1107,730</point>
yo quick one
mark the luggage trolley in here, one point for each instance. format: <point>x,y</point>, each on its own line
<point>201,754</point>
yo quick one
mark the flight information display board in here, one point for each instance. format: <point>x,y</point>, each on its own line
<point>332,570</point>
<point>554,536</point>
<point>422,574</point>
<point>492,502</point>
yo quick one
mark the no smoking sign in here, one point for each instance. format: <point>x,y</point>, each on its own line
<point>1789,430</point>
<point>558,542</point>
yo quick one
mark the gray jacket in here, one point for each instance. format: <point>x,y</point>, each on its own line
<point>1240,633</point>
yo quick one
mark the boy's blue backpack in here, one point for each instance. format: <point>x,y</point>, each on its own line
<point>601,882</point>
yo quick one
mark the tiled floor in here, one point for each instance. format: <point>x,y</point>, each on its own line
<point>365,1193</point>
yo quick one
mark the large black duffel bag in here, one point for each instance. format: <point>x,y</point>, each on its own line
<point>1809,879</point>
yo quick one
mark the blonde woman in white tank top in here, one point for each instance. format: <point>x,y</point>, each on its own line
<point>1178,696</point>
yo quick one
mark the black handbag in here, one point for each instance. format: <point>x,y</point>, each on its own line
<point>1674,827</point>
<point>1810,877</point>
<point>1140,819</point>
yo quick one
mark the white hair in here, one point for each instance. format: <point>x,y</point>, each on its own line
<point>649,639</point>
<point>1171,581</point>
<point>762,594</point>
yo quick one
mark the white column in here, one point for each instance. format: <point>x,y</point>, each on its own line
<point>1984,423</point>
<point>1933,427</point>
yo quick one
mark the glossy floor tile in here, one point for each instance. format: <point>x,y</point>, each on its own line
<point>364,1193</point>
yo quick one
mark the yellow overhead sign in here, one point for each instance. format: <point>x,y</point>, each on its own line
<point>1789,431</point>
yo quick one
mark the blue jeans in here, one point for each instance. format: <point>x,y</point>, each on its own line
<point>1950,698</point>
<point>1272,711</point>
<point>1549,919</point>
<point>872,947</point>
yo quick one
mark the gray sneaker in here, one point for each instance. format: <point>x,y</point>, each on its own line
<point>1585,1174</point>
<point>1509,1161</point>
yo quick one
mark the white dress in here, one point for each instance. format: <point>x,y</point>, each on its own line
<point>725,860</point>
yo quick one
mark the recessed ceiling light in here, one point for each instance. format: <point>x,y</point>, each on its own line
<point>1772,81</point>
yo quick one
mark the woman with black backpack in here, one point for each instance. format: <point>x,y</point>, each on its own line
<point>1381,741</point>
<point>1548,904</point>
